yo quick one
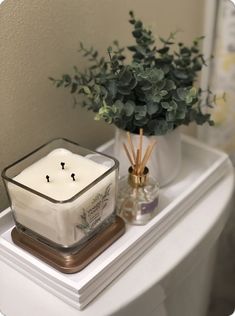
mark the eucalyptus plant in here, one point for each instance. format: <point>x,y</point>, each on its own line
<point>154,91</point>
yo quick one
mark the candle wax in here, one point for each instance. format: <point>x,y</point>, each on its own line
<point>67,223</point>
<point>61,185</point>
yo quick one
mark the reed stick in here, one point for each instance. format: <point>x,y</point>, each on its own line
<point>138,164</point>
<point>141,143</point>
<point>131,145</point>
<point>147,156</point>
<point>128,155</point>
<point>143,162</point>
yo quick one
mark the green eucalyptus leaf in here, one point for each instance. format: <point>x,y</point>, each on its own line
<point>161,84</point>
<point>59,83</point>
<point>197,66</point>
<point>152,108</point>
<point>129,108</point>
<point>163,50</point>
<point>132,84</point>
<point>156,75</point>
<point>140,111</point>
<point>86,89</point>
<point>132,48</point>
<point>124,90</point>
<point>165,68</point>
<point>125,77</point>
<point>193,92</point>
<point>119,105</point>
<point>173,105</point>
<point>170,126</point>
<point>121,124</point>
<point>185,51</point>
<point>137,33</point>
<point>151,125</point>
<point>97,117</point>
<point>180,114</point>
<point>140,50</point>
<point>188,99</point>
<point>104,92</point>
<point>180,74</point>
<point>103,110</point>
<point>146,85</point>
<point>171,116</point>
<point>156,98</point>
<point>140,122</point>
<point>108,119</point>
<point>97,88</point>
<point>170,85</point>
<point>66,78</point>
<point>112,88</point>
<point>74,87</point>
<point>165,105</point>
<point>182,93</point>
<point>138,24</point>
<point>163,93</point>
<point>114,109</point>
<point>161,127</point>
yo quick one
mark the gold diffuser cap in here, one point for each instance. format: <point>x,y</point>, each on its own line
<point>138,172</point>
<point>138,180</point>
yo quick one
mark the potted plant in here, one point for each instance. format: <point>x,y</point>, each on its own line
<point>155,90</point>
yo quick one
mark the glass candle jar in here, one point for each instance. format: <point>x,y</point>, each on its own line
<point>62,193</point>
<point>138,197</point>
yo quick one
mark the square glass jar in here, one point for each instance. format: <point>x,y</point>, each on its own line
<point>62,193</point>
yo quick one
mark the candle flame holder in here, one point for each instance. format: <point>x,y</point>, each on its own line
<point>67,232</point>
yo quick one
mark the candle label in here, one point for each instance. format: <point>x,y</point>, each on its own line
<point>92,215</point>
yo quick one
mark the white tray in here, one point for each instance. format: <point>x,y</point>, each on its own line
<point>202,167</point>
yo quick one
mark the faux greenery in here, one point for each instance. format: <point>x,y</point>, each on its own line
<point>155,90</point>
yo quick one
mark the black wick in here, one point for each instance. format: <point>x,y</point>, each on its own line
<point>62,165</point>
<point>73,176</point>
<point>48,178</point>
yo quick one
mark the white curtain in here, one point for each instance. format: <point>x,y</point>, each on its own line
<point>221,79</point>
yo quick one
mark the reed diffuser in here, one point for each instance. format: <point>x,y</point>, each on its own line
<point>138,191</point>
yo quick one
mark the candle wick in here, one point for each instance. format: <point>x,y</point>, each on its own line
<point>62,164</point>
<point>48,178</point>
<point>73,176</point>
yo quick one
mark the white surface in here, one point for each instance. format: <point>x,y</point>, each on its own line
<point>181,248</point>
<point>201,168</point>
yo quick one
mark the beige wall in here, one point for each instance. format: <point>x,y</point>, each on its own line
<point>40,38</point>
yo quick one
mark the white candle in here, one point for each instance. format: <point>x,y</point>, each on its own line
<point>65,223</point>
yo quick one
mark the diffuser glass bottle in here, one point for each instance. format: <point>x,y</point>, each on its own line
<point>138,191</point>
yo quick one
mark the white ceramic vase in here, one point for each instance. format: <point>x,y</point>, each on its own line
<point>165,161</point>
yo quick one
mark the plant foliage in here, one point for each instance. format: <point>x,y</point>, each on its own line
<point>154,91</point>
